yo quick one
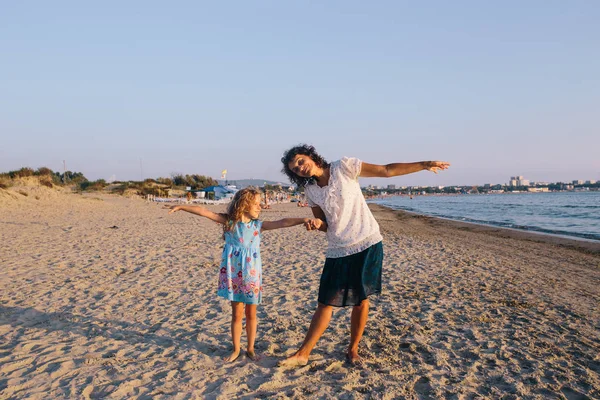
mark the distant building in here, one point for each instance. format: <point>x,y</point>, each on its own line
<point>391,187</point>
<point>518,181</point>
<point>590,182</point>
<point>577,182</point>
<point>541,189</point>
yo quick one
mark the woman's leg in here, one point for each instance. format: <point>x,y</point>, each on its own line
<point>237,314</point>
<point>358,321</point>
<point>319,323</point>
<point>251,324</point>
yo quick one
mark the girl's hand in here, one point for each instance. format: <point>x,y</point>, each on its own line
<point>313,224</point>
<point>172,208</point>
<point>435,166</point>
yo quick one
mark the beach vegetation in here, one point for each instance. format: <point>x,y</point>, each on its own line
<point>46,180</point>
<point>165,181</point>
<point>88,186</point>
<point>196,182</point>
<point>151,186</point>
<point>70,177</point>
<point>21,173</point>
<point>44,171</point>
<point>119,187</point>
<point>153,190</point>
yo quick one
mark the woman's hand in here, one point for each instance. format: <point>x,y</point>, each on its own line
<point>435,166</point>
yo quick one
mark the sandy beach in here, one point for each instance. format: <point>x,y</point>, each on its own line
<point>110,297</point>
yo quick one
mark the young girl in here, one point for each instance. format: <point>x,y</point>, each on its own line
<point>240,278</point>
<point>352,269</point>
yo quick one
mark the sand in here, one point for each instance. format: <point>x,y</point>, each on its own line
<point>110,297</point>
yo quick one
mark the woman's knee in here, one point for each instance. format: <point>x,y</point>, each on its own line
<point>363,304</point>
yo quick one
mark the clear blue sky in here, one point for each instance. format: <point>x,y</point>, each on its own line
<point>497,88</point>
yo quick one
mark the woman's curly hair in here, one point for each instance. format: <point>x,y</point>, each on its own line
<point>240,204</point>
<point>305,150</point>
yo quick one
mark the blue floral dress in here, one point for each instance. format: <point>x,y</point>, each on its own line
<point>240,278</point>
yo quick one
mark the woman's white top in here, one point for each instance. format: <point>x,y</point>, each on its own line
<point>351,228</point>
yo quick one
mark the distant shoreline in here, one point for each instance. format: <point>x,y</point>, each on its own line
<point>582,244</point>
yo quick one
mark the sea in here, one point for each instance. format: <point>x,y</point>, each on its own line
<point>569,214</point>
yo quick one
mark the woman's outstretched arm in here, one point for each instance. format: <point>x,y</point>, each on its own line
<point>395,169</point>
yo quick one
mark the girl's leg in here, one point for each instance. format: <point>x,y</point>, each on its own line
<point>319,323</point>
<point>251,324</point>
<point>237,313</point>
<point>358,320</point>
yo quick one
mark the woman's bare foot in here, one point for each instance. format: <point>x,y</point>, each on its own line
<point>253,356</point>
<point>293,361</point>
<point>232,357</point>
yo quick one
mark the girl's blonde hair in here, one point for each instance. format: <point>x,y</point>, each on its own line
<point>240,204</point>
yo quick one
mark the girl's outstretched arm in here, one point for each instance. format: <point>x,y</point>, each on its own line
<point>201,211</point>
<point>284,223</point>
<point>319,222</point>
<point>395,169</point>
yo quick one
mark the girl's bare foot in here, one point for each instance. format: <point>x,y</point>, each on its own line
<point>293,361</point>
<point>252,355</point>
<point>232,357</point>
<point>353,357</point>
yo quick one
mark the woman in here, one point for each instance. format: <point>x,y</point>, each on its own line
<point>354,256</point>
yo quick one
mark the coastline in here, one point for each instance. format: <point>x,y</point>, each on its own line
<point>561,214</point>
<point>577,243</point>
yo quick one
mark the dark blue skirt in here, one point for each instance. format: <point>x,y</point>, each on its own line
<point>347,281</point>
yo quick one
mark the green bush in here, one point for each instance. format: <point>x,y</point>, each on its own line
<point>121,188</point>
<point>69,177</point>
<point>21,173</point>
<point>165,181</point>
<point>92,186</point>
<point>194,181</point>
<point>44,171</point>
